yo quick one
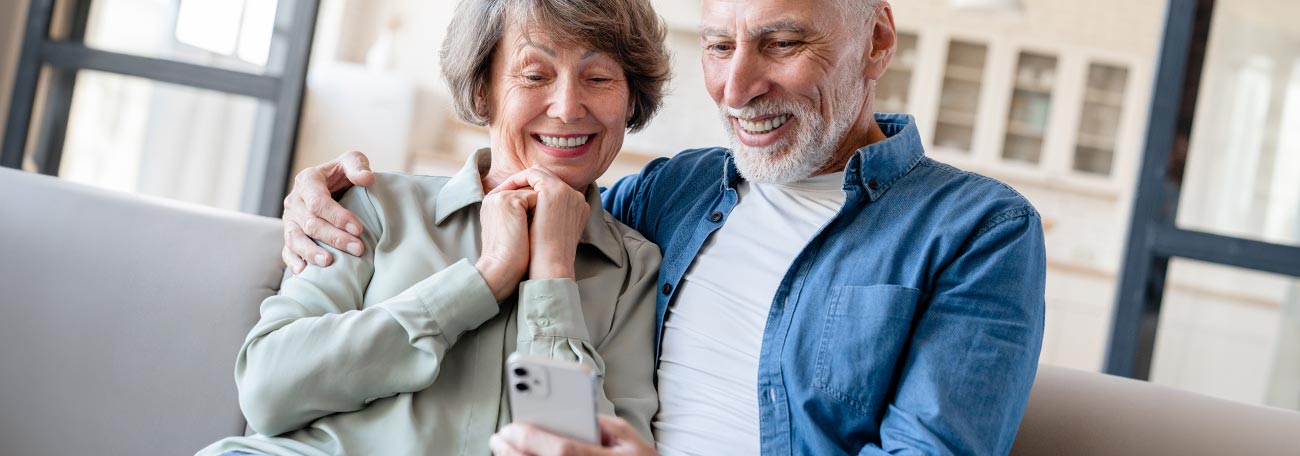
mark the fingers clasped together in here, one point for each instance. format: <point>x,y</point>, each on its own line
<point>532,223</point>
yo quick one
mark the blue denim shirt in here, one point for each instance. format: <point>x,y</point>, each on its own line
<point>910,323</point>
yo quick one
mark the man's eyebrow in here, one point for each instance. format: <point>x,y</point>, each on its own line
<point>714,31</point>
<point>777,26</point>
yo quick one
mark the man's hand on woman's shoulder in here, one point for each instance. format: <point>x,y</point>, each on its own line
<point>311,212</point>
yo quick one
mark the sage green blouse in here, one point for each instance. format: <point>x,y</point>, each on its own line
<point>401,351</point>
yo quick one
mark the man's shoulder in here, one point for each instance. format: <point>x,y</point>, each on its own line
<point>687,171</point>
<point>971,191</point>
<point>716,154</point>
<point>664,185</point>
<point>706,161</point>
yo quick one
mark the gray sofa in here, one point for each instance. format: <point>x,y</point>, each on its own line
<point>122,316</point>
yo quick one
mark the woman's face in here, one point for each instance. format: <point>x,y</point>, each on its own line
<point>563,108</point>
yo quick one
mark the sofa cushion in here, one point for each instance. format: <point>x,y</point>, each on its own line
<point>122,316</point>
<point>1074,412</point>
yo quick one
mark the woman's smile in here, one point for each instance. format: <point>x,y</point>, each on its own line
<point>564,145</point>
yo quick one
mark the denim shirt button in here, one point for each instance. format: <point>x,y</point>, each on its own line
<point>668,289</point>
<point>716,217</point>
<point>872,184</point>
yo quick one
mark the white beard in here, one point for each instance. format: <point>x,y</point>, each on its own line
<point>802,152</point>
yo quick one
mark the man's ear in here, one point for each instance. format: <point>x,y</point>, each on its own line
<point>884,40</point>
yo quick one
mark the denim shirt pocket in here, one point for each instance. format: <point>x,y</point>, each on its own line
<point>865,331</point>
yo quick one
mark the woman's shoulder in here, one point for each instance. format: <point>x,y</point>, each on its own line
<point>393,195</point>
<point>399,188</point>
<point>402,184</point>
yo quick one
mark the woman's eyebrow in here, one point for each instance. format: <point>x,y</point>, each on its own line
<point>552,53</point>
<point>539,47</point>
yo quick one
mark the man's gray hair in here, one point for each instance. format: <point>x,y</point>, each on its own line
<point>865,9</point>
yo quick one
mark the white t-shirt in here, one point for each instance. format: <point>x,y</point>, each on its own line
<point>708,364</point>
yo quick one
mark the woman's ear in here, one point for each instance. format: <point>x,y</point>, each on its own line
<point>480,104</point>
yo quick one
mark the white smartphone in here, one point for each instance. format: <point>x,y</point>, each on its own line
<point>557,396</point>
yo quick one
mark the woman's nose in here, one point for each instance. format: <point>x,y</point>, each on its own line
<point>567,103</point>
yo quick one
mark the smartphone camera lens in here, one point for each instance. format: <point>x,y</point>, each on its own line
<point>521,372</point>
<point>522,387</point>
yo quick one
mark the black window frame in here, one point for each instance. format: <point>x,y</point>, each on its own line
<point>268,170</point>
<point>1153,235</point>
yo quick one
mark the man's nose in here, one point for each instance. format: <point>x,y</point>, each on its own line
<point>567,103</point>
<point>746,80</point>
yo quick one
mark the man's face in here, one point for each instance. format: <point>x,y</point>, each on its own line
<point>790,78</point>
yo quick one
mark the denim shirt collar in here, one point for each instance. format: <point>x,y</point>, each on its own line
<point>881,163</point>
<point>466,188</point>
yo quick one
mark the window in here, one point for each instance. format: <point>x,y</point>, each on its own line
<point>1230,332</point>
<point>229,28</point>
<point>230,34</point>
<point>1208,299</point>
<point>1031,106</point>
<point>960,99</point>
<point>140,136</point>
<point>195,100</point>
<point>1103,102</point>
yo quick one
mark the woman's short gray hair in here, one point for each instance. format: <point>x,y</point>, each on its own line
<point>628,31</point>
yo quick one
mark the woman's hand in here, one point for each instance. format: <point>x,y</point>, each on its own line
<point>504,259</point>
<point>558,220</point>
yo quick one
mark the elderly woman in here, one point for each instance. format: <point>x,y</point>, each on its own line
<point>401,350</point>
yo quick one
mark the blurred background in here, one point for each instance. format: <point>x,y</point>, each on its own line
<point>1160,139</point>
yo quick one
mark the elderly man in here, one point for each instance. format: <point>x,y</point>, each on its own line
<point>826,288</point>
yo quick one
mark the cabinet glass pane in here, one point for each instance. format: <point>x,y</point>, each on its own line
<point>1230,333</point>
<point>140,136</point>
<point>892,90</point>
<point>1243,160</point>
<point>958,103</point>
<point>1103,102</point>
<point>1031,104</point>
